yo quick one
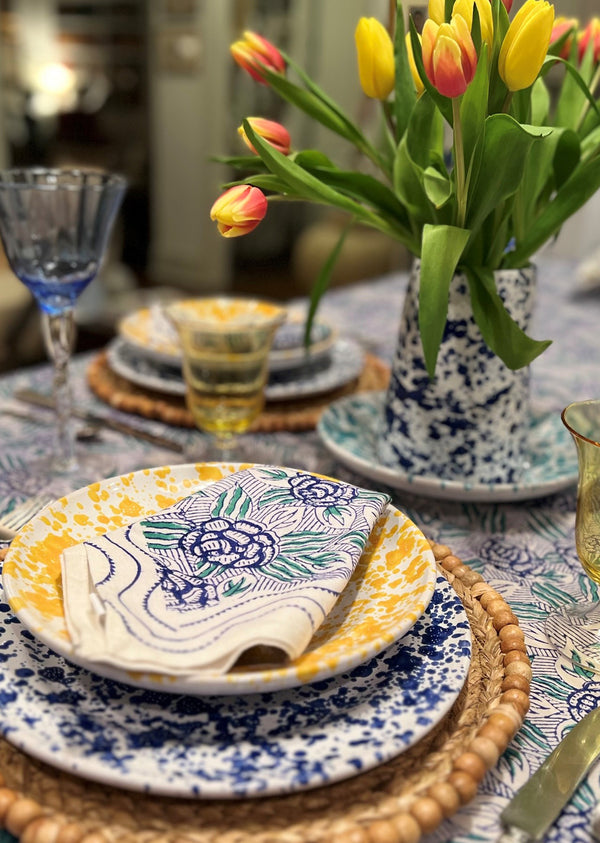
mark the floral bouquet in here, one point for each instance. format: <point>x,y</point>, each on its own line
<point>521,158</point>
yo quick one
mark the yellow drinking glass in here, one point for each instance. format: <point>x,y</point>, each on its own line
<point>225,344</point>
<point>575,629</point>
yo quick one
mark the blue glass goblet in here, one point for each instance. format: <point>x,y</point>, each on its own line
<point>55,225</point>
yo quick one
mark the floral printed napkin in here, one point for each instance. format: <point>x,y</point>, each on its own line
<point>257,559</point>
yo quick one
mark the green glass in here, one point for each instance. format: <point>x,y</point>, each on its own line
<point>575,629</point>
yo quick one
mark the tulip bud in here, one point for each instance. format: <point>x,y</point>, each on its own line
<point>484,8</point>
<point>239,210</point>
<point>590,33</point>
<point>525,44</point>
<point>375,53</point>
<point>419,86</point>
<point>561,26</point>
<point>253,53</point>
<point>449,55</point>
<point>271,131</point>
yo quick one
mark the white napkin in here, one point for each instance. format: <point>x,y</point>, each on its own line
<point>256,559</point>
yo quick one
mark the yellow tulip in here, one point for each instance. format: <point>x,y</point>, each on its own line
<point>375,53</point>
<point>436,11</point>
<point>420,87</point>
<point>484,7</point>
<point>525,44</point>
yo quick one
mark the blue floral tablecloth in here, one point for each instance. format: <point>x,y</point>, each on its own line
<point>525,550</point>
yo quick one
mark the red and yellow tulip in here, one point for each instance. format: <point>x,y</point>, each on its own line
<point>419,86</point>
<point>239,210</point>
<point>561,26</point>
<point>449,55</point>
<point>271,131</point>
<point>253,53</point>
<point>590,34</point>
<point>525,44</point>
<point>375,52</point>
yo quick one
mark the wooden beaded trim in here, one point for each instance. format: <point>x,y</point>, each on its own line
<point>397,802</point>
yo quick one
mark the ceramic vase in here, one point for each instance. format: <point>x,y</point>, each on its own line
<point>471,422</point>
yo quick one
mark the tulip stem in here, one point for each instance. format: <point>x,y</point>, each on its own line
<point>507,102</point>
<point>459,164</point>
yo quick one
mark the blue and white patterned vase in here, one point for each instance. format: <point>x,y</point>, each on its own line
<point>470,423</point>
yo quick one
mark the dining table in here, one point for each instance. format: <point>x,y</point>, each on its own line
<point>521,546</point>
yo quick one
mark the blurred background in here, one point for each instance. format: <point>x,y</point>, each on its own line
<point>148,88</point>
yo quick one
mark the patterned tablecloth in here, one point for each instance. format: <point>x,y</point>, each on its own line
<point>525,550</point>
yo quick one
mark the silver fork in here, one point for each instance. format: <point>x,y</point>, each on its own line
<point>11,523</point>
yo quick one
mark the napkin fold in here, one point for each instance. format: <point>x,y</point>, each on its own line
<point>257,559</point>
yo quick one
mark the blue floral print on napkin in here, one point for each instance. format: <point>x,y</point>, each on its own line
<point>258,558</point>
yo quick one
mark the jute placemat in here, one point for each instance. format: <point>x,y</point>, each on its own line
<point>294,415</point>
<point>397,802</point>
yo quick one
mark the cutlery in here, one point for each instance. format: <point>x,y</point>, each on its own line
<point>86,433</point>
<point>537,804</point>
<point>30,396</point>
<point>11,523</point>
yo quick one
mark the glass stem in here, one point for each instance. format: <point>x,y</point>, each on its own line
<point>59,332</point>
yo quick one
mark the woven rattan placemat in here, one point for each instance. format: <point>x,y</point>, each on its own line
<point>295,415</point>
<point>396,802</point>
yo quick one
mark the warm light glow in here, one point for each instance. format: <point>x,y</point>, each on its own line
<point>56,78</point>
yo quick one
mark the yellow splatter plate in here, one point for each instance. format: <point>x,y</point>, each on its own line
<point>389,590</point>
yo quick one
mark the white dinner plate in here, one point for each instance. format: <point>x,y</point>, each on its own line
<point>349,429</point>
<point>344,363</point>
<point>149,330</point>
<point>388,591</point>
<point>229,747</point>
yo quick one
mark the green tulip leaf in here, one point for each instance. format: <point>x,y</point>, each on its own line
<point>506,145</point>
<point>499,330</point>
<point>441,250</point>
<point>574,93</point>
<point>540,103</point>
<point>574,193</point>
<point>322,283</point>
<point>405,94</point>
<point>309,158</point>
<point>438,187</point>
<point>472,115</point>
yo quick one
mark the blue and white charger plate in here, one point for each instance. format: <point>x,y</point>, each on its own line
<point>344,362</point>
<point>232,747</point>
<point>349,428</point>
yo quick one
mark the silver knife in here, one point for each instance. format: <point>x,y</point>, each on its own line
<point>536,805</point>
<point>30,396</point>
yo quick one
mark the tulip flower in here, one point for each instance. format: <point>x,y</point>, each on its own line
<point>561,26</point>
<point>271,131</point>
<point>419,86</point>
<point>375,52</point>
<point>484,7</point>
<point>239,210</point>
<point>525,44</point>
<point>253,53</point>
<point>590,33</point>
<point>437,11</point>
<point>449,55</point>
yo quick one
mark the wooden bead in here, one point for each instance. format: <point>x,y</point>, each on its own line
<point>20,814</point>
<point>461,571</point>
<point>487,749</point>
<point>7,797</point>
<point>515,682</point>
<point>504,723</point>
<point>520,668</point>
<point>499,736</point>
<point>471,578</point>
<point>472,764</point>
<point>408,828</point>
<point>441,551</point>
<point>428,813</point>
<point>447,797</point>
<point>511,629</point>
<point>41,830</point>
<point>69,833</point>
<point>495,606</point>
<point>517,698</point>
<point>451,562</point>
<point>503,618</point>
<point>489,596</point>
<point>464,784</point>
<point>383,831</point>
<point>514,651</point>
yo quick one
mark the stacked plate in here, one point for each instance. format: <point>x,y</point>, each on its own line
<point>381,671</point>
<point>146,352</point>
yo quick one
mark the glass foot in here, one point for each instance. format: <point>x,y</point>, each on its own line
<point>575,632</point>
<point>245,449</point>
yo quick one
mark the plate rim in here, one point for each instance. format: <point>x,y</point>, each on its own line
<point>81,765</point>
<point>433,487</point>
<point>228,684</point>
